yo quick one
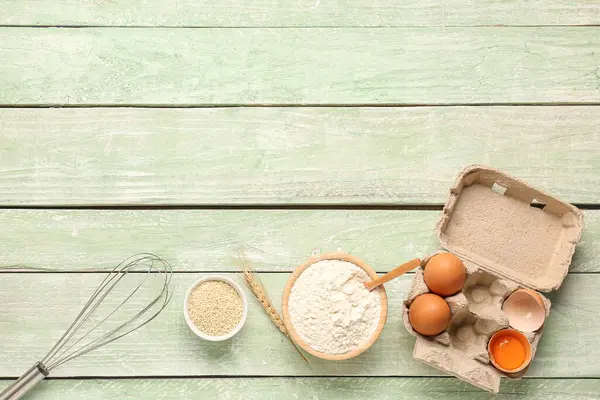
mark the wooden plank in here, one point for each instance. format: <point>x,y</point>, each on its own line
<point>298,66</point>
<point>96,156</point>
<point>36,308</point>
<point>311,388</point>
<point>261,13</point>
<point>207,240</point>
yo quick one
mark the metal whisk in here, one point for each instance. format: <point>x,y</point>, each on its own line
<point>77,341</point>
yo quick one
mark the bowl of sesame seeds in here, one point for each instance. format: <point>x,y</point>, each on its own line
<point>215,308</point>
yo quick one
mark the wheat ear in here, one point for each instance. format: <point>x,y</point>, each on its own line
<point>261,295</point>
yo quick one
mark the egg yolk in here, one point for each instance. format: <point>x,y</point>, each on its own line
<point>508,352</point>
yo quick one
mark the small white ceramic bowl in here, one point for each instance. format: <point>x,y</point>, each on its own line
<point>191,324</point>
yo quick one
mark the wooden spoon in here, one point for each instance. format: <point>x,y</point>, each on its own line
<point>393,274</point>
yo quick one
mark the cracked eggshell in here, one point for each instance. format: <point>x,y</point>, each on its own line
<point>525,310</point>
<point>516,335</point>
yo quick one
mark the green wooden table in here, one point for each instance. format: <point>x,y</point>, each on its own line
<point>193,128</point>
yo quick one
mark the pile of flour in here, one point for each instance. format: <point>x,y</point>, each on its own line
<point>330,308</point>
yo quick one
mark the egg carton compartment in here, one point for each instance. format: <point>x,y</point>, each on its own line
<point>466,338</point>
<point>485,294</point>
<point>476,314</point>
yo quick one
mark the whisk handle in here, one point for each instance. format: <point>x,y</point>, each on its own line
<point>25,383</point>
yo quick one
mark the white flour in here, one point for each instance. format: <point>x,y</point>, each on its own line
<point>330,308</point>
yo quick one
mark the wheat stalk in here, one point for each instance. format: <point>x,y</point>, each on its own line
<point>261,295</point>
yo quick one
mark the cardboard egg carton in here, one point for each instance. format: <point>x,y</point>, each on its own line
<point>509,236</point>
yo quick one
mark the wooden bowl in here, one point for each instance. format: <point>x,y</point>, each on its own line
<point>286,316</point>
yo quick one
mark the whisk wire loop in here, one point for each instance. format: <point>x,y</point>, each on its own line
<point>65,349</point>
<point>115,333</point>
<point>91,311</point>
<point>69,346</point>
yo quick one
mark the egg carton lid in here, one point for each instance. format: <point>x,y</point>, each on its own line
<point>510,228</point>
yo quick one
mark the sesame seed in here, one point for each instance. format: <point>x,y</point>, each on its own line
<point>215,307</point>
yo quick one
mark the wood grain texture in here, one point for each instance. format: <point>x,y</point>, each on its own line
<point>97,156</point>
<point>261,13</point>
<point>298,66</point>
<point>312,388</point>
<point>208,240</point>
<point>36,308</point>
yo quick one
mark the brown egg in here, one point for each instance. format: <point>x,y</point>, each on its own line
<point>429,314</point>
<point>445,274</point>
